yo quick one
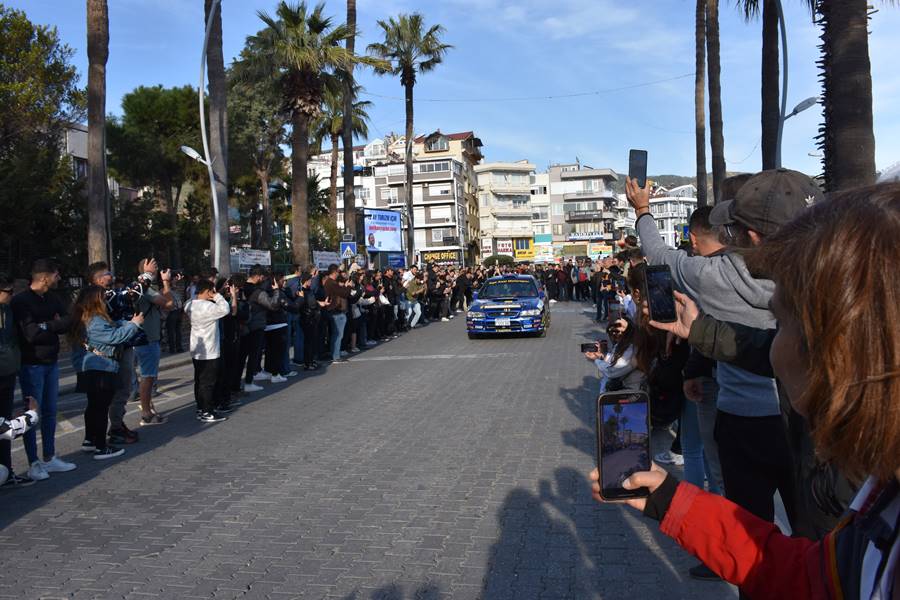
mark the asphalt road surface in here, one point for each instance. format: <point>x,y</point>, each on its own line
<point>432,466</point>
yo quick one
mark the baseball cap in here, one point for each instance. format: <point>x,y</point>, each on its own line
<point>767,201</point>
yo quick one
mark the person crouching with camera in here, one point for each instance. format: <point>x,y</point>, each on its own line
<point>97,342</point>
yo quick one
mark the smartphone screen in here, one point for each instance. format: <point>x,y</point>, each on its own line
<point>589,347</point>
<point>623,441</point>
<point>660,294</point>
<point>637,166</point>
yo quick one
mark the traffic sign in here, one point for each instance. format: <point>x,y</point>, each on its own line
<point>348,250</point>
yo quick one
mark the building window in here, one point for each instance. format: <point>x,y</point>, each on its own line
<point>439,190</point>
<point>437,235</point>
<point>557,210</point>
<point>437,144</point>
<point>485,200</point>
<point>390,193</point>
<point>558,229</point>
<point>444,213</point>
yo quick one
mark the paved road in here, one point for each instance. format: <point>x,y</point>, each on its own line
<point>429,467</point>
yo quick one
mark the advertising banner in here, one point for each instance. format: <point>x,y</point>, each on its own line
<point>505,247</point>
<point>324,258</point>
<point>524,249</point>
<point>443,258</point>
<point>543,252</point>
<point>487,246</point>
<point>383,230</point>
<point>396,260</point>
<point>247,257</point>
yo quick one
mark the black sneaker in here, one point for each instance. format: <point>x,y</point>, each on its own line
<point>703,573</point>
<point>120,437</point>
<point>224,409</point>
<point>16,481</point>
<point>88,446</point>
<point>108,452</point>
<point>211,417</point>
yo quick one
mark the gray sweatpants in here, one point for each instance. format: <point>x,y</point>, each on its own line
<point>124,389</point>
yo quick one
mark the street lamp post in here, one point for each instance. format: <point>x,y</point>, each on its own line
<point>217,241</point>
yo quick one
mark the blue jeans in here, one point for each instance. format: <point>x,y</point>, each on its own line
<point>41,382</point>
<point>338,322</point>
<point>695,468</point>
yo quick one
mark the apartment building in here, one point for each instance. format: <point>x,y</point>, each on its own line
<point>540,217</point>
<point>584,209</point>
<point>672,208</point>
<point>505,209</point>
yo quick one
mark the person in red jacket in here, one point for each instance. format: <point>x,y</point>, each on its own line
<point>837,355</point>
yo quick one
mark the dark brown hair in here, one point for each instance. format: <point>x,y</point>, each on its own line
<point>835,268</point>
<point>648,341</point>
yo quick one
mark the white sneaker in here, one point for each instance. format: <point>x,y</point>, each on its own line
<point>252,387</point>
<point>262,376</point>
<point>57,465</point>
<point>444,319</point>
<point>278,379</point>
<point>552,301</point>
<point>669,458</point>
<point>37,471</point>
<point>291,374</point>
<point>371,343</point>
<point>345,354</point>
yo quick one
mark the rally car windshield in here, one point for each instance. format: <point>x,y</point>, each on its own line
<point>507,289</point>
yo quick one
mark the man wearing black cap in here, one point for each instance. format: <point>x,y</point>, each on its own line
<point>753,447</point>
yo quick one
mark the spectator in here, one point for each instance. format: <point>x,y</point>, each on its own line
<point>150,305</point>
<point>311,305</point>
<point>96,341</point>
<point>205,311</point>
<point>259,300</point>
<point>120,306</point>
<point>337,294</point>
<point>41,317</point>
<point>415,290</point>
<point>10,362</point>
<point>295,331</point>
<point>277,330</point>
<point>846,386</point>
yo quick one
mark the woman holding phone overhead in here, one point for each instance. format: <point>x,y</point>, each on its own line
<point>846,386</point>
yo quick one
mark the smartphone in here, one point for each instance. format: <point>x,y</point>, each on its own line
<point>637,166</point>
<point>623,441</point>
<point>604,346</point>
<point>659,291</point>
<point>589,347</point>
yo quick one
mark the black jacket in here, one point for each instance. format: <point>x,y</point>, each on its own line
<point>41,320</point>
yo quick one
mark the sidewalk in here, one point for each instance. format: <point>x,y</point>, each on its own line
<point>67,372</point>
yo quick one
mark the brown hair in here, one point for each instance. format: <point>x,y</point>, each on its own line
<point>835,268</point>
<point>91,303</point>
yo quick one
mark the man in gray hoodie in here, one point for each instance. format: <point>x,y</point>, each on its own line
<point>753,448</point>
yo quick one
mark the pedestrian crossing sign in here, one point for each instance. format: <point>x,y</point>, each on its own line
<point>348,250</point>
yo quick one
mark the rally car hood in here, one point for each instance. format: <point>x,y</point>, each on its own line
<point>500,303</point>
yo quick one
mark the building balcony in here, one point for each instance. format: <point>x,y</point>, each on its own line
<point>510,189</point>
<point>583,195</point>
<point>511,211</point>
<point>590,215</point>
<point>509,233</point>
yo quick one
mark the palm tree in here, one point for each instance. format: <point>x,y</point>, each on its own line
<point>847,137</point>
<point>349,95</point>
<point>717,136</point>
<point>700,101</point>
<point>410,49</point>
<point>98,196</point>
<point>301,47</point>
<point>218,133</point>
<point>330,125</point>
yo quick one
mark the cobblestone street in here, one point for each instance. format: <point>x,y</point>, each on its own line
<point>428,467</point>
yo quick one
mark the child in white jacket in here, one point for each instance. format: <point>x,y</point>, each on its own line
<point>204,311</point>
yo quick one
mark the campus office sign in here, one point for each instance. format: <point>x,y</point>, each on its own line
<point>443,258</point>
<point>383,230</point>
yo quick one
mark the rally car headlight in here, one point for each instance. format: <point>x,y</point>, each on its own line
<point>532,312</point>
<point>475,315</point>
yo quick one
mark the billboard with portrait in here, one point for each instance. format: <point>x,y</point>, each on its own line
<point>383,230</point>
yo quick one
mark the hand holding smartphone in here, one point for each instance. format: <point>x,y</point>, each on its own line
<point>637,166</point>
<point>623,442</point>
<point>590,347</point>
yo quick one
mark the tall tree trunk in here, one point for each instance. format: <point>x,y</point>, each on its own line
<point>410,231</point>
<point>218,135</point>
<point>332,193</point>
<point>771,101</point>
<point>849,139</point>
<point>717,136</point>
<point>700,101</point>
<point>99,248</point>
<point>299,192</point>
<point>349,196</point>
<point>265,237</point>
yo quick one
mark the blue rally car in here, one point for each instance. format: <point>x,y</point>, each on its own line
<point>508,304</point>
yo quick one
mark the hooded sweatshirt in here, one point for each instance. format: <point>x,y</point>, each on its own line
<point>724,289</point>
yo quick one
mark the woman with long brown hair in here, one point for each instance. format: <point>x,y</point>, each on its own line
<point>837,355</point>
<point>96,341</point>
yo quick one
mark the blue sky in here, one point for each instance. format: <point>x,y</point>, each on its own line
<point>530,48</point>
